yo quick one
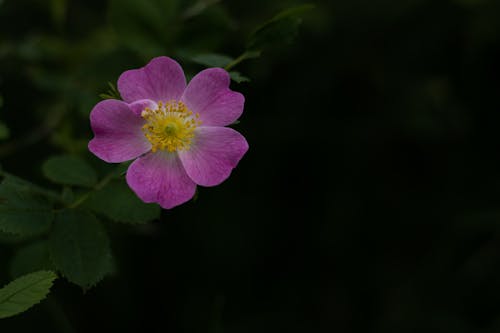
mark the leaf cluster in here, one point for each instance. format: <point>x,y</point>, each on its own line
<point>63,232</point>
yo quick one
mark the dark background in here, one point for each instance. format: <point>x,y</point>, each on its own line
<point>369,200</point>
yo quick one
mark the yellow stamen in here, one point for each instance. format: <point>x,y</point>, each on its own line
<point>170,126</point>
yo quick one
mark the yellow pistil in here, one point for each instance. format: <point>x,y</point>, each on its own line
<point>170,126</point>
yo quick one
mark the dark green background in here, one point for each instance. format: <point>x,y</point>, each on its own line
<point>369,200</point>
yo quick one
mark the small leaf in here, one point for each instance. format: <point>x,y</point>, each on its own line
<point>212,59</point>
<point>117,202</point>
<point>24,292</point>
<point>31,258</point>
<point>281,29</point>
<point>79,248</point>
<point>112,92</point>
<point>22,211</point>
<point>69,170</point>
<point>237,77</point>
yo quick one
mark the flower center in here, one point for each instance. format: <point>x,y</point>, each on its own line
<point>170,126</point>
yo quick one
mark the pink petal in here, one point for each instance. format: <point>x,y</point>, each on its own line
<point>118,134</point>
<point>162,79</point>
<point>160,177</point>
<point>140,105</point>
<point>214,154</point>
<point>209,95</point>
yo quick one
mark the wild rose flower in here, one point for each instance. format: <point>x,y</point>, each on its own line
<point>175,132</point>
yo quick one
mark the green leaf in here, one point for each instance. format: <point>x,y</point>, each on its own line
<point>69,170</point>
<point>112,92</point>
<point>24,292</point>
<point>212,60</point>
<point>79,248</point>
<point>22,222</point>
<point>18,193</point>
<point>117,202</point>
<point>237,77</point>
<point>4,131</point>
<point>22,210</point>
<point>31,258</point>
<point>281,29</point>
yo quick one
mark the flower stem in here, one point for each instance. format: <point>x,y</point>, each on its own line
<point>97,187</point>
<point>245,55</point>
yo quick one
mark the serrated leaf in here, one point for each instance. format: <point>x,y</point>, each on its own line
<point>281,29</point>
<point>22,211</point>
<point>24,292</point>
<point>23,222</point>
<point>237,77</point>
<point>69,170</point>
<point>117,202</point>
<point>79,248</point>
<point>212,59</point>
<point>17,193</point>
<point>31,258</point>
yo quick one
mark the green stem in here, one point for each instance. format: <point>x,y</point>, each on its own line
<point>97,187</point>
<point>236,61</point>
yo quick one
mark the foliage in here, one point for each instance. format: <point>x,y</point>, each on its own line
<point>79,248</point>
<point>61,227</point>
<point>24,292</point>
<point>23,211</point>
<point>69,170</point>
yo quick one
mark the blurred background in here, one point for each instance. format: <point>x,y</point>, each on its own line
<point>369,200</point>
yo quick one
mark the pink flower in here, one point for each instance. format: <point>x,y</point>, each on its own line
<point>175,132</point>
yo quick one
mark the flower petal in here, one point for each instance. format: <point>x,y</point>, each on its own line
<point>140,105</point>
<point>162,79</point>
<point>213,155</point>
<point>209,95</point>
<point>160,177</point>
<point>118,134</point>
